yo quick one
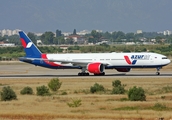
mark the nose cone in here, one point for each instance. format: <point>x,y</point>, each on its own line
<point>165,61</point>
<point>168,61</point>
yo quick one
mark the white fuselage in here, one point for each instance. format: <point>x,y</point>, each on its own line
<point>113,59</point>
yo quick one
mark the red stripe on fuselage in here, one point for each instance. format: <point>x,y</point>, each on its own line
<point>23,42</point>
<point>127,59</point>
<point>44,56</point>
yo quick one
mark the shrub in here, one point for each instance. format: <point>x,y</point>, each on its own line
<point>26,90</point>
<point>118,90</point>
<point>97,87</point>
<point>75,103</point>
<point>42,91</point>
<point>116,83</point>
<point>8,94</point>
<point>117,87</point>
<point>54,84</point>
<point>64,93</point>
<point>136,94</point>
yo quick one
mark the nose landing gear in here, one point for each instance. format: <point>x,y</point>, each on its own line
<point>158,69</point>
<point>157,73</point>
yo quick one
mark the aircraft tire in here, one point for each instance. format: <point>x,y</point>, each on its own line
<point>157,73</point>
<point>83,74</point>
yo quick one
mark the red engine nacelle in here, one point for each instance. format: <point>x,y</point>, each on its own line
<point>95,68</point>
<point>123,69</point>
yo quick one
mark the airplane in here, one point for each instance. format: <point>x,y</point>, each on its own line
<point>95,63</point>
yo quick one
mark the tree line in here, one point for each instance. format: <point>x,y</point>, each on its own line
<point>57,38</point>
<point>13,53</point>
<point>50,38</point>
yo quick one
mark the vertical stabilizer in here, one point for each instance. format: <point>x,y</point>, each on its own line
<point>30,49</point>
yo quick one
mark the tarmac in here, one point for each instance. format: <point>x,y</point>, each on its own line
<point>23,70</point>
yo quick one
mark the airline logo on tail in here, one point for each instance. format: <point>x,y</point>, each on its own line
<point>24,44</point>
<point>29,45</point>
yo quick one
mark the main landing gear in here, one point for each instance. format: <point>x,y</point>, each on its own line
<point>87,74</point>
<point>83,73</point>
<point>158,69</point>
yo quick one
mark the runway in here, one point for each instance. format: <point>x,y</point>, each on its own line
<point>30,71</point>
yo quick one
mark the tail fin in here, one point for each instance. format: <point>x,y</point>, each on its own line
<point>30,49</point>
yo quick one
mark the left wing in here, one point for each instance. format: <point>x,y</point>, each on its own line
<point>76,62</point>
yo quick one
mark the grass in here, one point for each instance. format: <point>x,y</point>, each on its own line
<point>158,102</point>
<point>129,108</point>
<point>94,106</point>
<point>156,107</point>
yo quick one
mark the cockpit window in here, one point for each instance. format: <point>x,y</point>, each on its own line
<point>164,57</point>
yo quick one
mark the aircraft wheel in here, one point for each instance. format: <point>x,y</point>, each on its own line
<point>103,73</point>
<point>87,74</point>
<point>83,74</point>
<point>157,73</point>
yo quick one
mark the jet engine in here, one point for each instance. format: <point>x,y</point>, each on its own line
<point>123,69</point>
<point>95,68</point>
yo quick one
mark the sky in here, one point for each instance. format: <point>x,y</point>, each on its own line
<point>67,15</point>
